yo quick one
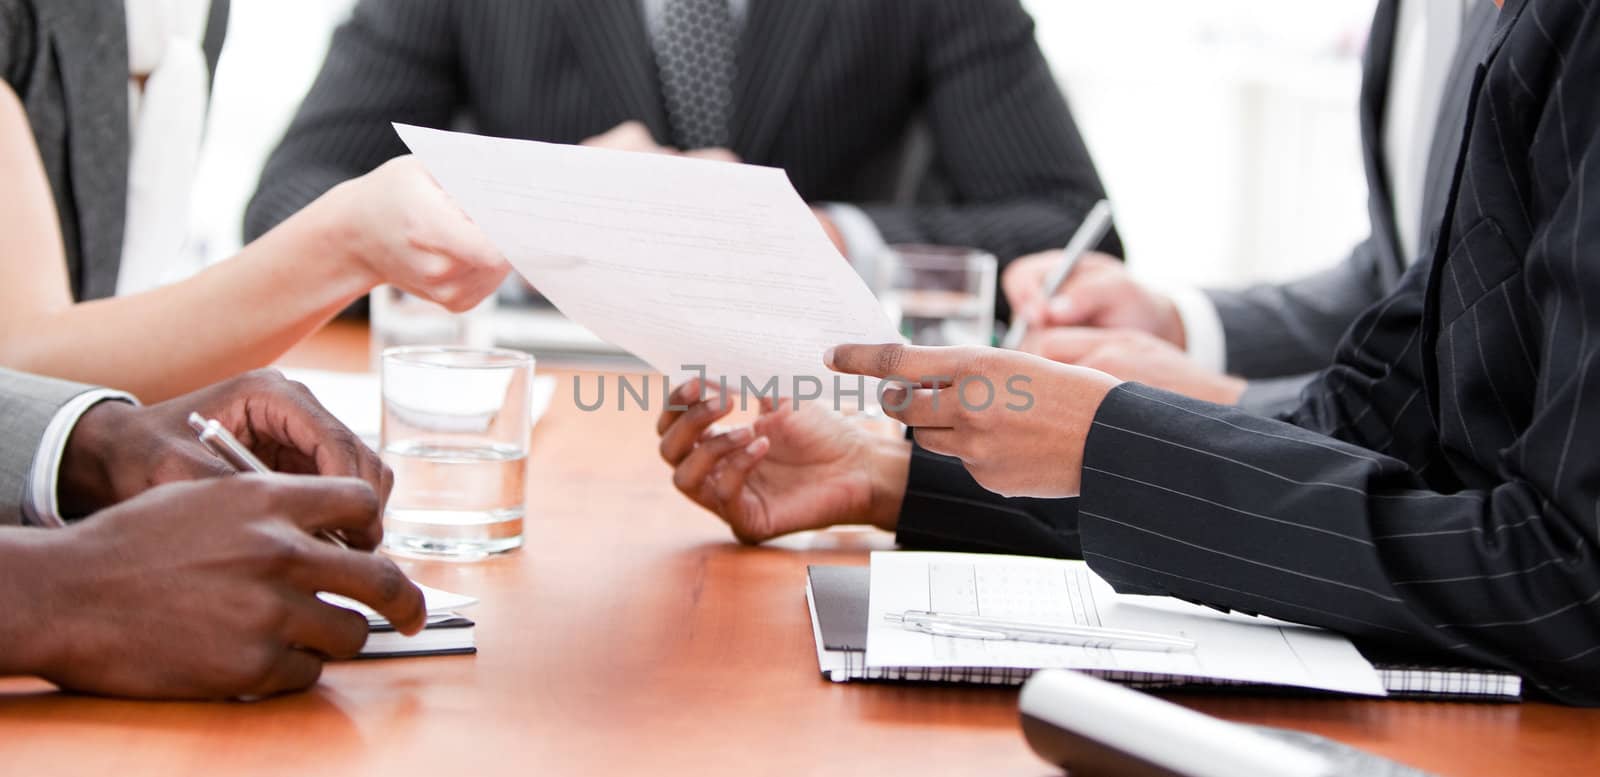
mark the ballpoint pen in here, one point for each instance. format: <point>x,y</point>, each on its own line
<point>999,629</point>
<point>1089,234</point>
<point>216,437</point>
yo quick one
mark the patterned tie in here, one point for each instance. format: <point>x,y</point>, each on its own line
<point>695,51</point>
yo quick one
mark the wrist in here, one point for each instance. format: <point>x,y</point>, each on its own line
<point>86,482</point>
<point>338,241</point>
<point>32,628</point>
<point>888,468</point>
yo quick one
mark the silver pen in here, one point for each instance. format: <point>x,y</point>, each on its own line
<point>1089,234</point>
<point>1002,629</point>
<point>216,437</point>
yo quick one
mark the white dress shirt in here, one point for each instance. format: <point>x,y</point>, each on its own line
<point>1426,37</point>
<point>1427,33</point>
<point>166,124</point>
<point>41,502</point>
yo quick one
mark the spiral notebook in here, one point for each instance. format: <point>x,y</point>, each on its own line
<point>839,600</point>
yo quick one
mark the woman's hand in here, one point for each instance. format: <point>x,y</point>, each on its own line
<point>790,471</point>
<point>400,228</point>
<point>1018,422</point>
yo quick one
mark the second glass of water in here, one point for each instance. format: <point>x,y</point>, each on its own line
<point>400,319</point>
<point>939,295</point>
<point>455,432</point>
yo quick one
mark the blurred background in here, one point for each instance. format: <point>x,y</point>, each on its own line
<point>1208,163</point>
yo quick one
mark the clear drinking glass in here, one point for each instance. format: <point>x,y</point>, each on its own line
<point>938,295</point>
<point>455,432</point>
<point>400,320</point>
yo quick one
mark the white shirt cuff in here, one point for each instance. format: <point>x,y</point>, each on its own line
<point>41,505</point>
<point>863,242</point>
<point>1202,327</point>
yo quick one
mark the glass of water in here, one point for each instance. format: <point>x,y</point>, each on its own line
<point>400,319</point>
<point>455,432</point>
<point>938,295</point>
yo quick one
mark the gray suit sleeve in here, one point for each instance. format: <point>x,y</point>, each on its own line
<point>27,404</point>
<point>1289,329</point>
<point>394,61</point>
<point>1020,174</point>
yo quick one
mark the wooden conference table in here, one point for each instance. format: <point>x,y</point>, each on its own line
<point>632,636</point>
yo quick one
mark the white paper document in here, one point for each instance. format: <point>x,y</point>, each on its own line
<point>682,262</point>
<point>1230,647</point>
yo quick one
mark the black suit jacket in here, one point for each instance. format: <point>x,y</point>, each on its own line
<point>826,88</point>
<point>1440,485</point>
<point>68,61</point>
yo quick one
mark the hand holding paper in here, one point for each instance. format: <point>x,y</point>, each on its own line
<point>682,262</point>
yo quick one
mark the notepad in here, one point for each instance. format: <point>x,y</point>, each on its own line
<point>447,632</point>
<point>1228,647</point>
<point>435,600</point>
<point>839,599</point>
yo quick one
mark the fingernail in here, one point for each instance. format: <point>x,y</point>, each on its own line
<point>740,436</point>
<point>827,357</point>
<point>1060,306</point>
<point>758,447</point>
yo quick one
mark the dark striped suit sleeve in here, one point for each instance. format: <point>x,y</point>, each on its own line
<point>945,509</point>
<point>393,61</point>
<point>1353,519</point>
<point>1021,176</point>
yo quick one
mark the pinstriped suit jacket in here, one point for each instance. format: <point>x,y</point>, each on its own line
<point>1440,485</point>
<point>27,403</point>
<point>825,88</point>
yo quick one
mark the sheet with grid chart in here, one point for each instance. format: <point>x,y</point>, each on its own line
<point>1230,646</point>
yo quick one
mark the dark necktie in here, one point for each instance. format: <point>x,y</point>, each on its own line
<point>695,51</point>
